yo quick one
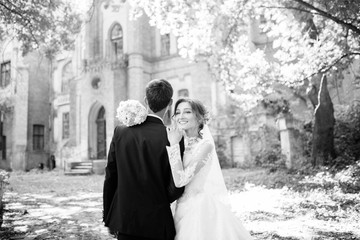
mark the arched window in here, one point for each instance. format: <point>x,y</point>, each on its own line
<point>165,45</point>
<point>67,74</point>
<point>5,74</point>
<point>116,38</point>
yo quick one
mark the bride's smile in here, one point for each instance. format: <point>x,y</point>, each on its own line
<point>186,119</point>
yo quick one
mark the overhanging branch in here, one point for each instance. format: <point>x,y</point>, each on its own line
<point>328,67</point>
<point>329,16</point>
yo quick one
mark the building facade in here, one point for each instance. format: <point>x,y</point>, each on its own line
<point>67,107</point>
<point>113,60</point>
<point>25,108</point>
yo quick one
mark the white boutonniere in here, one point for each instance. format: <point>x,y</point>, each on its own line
<point>131,112</point>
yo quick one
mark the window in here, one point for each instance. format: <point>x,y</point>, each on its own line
<point>117,41</point>
<point>183,93</point>
<point>165,45</point>
<point>38,137</point>
<point>65,127</point>
<point>2,142</point>
<point>67,74</point>
<point>96,82</point>
<point>5,74</point>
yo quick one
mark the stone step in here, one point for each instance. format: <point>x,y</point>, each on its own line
<point>78,172</point>
<point>83,163</point>
<point>80,168</point>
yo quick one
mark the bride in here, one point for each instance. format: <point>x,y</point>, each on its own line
<point>203,212</point>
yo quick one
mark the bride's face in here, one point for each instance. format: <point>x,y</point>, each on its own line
<point>185,118</point>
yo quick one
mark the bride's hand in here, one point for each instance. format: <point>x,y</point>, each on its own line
<point>174,134</point>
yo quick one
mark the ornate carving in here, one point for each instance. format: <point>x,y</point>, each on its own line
<point>99,65</point>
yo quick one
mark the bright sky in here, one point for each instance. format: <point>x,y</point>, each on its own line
<point>81,5</point>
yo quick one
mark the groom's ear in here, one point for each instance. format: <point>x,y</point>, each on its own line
<point>170,103</point>
<point>145,101</point>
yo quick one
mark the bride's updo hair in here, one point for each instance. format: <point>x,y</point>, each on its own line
<point>199,109</point>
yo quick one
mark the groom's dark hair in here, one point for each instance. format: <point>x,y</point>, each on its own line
<point>158,94</point>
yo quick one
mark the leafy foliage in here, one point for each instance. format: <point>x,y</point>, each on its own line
<point>276,106</point>
<point>271,158</point>
<point>290,41</point>
<point>349,178</point>
<point>345,181</point>
<point>220,150</point>
<point>4,180</point>
<point>347,135</point>
<point>48,24</point>
<point>4,176</point>
<point>6,100</point>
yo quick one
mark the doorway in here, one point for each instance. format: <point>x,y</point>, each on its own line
<point>101,134</point>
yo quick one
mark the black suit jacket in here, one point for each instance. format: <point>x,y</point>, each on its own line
<point>138,186</point>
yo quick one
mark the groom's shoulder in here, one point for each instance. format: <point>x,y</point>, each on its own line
<point>120,130</point>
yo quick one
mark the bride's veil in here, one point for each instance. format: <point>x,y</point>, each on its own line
<point>214,184</point>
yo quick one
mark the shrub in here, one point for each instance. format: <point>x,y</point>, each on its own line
<point>349,178</point>
<point>347,135</point>
<point>220,146</point>
<point>346,180</point>
<point>271,158</point>
<point>4,180</point>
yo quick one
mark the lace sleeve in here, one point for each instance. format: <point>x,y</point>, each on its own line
<point>182,176</point>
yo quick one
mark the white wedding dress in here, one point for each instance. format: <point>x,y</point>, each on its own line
<point>203,212</point>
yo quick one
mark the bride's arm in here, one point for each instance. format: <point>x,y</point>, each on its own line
<point>181,175</point>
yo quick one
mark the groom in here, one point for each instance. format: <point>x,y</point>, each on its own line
<point>138,186</point>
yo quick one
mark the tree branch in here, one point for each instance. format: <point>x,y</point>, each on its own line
<point>329,16</point>
<point>235,25</point>
<point>26,21</point>
<point>328,67</point>
<point>13,11</point>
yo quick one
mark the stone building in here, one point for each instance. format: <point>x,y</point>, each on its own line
<point>113,60</point>
<point>25,108</point>
<point>67,108</point>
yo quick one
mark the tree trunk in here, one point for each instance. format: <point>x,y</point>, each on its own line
<point>323,151</point>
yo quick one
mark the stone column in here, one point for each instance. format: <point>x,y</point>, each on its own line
<point>20,121</point>
<point>288,138</point>
<point>135,50</point>
<point>136,82</point>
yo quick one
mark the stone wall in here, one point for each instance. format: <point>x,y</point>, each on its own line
<point>38,107</point>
